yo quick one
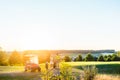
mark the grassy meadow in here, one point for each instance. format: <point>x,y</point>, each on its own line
<point>103,67</point>
<point>17,73</point>
<point>106,71</point>
<point>8,69</point>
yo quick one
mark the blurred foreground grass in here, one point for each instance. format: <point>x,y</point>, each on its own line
<point>107,71</point>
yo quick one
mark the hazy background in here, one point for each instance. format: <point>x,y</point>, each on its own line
<point>60,24</point>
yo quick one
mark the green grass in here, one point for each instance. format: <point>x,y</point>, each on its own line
<point>17,72</point>
<point>11,68</point>
<point>4,69</point>
<point>103,67</point>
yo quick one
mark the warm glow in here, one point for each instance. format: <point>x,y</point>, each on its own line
<point>60,24</point>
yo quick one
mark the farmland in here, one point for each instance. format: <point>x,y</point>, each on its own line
<point>17,73</point>
<point>103,67</point>
<point>110,70</point>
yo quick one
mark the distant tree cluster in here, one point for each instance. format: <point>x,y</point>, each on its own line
<point>118,53</point>
<point>79,58</point>
<point>67,59</point>
<point>14,58</point>
<point>90,57</point>
<point>17,58</point>
<point>3,58</point>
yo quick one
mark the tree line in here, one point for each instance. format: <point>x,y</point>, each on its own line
<point>90,57</point>
<point>17,58</point>
<point>14,58</point>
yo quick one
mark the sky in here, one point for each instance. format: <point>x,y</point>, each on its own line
<point>59,24</point>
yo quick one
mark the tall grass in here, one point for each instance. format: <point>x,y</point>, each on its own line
<point>62,73</point>
<point>66,72</point>
<point>89,72</point>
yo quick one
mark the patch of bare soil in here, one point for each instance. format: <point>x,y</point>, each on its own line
<point>20,75</point>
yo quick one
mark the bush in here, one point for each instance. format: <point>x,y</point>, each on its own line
<point>62,73</point>
<point>90,72</point>
<point>66,71</point>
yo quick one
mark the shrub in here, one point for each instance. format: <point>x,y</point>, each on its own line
<point>66,71</point>
<point>89,72</point>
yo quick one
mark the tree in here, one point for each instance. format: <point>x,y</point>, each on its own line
<point>110,56</point>
<point>118,53</point>
<point>115,58</point>
<point>3,58</point>
<point>108,59</point>
<point>100,58</point>
<point>67,59</point>
<point>105,57</point>
<point>79,58</point>
<point>15,58</point>
<point>89,57</point>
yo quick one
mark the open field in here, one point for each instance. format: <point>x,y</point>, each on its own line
<point>17,73</point>
<point>107,71</point>
<point>8,69</point>
<point>103,67</point>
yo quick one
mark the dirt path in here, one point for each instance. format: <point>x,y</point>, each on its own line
<point>20,76</point>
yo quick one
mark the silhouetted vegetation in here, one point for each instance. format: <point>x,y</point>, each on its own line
<point>15,58</point>
<point>89,57</point>
<point>115,58</point>
<point>67,59</point>
<point>100,58</point>
<point>78,58</point>
<point>3,58</point>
